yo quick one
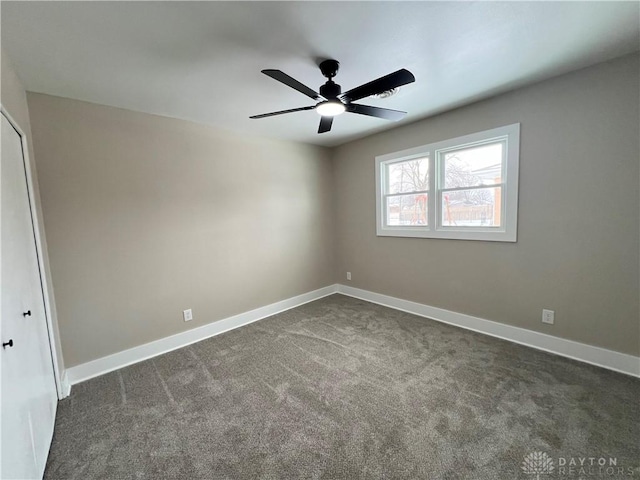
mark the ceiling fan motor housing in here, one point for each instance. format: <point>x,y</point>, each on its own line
<point>330,90</point>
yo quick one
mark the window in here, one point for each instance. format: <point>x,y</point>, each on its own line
<point>465,188</point>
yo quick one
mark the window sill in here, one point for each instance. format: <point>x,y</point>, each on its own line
<point>450,234</point>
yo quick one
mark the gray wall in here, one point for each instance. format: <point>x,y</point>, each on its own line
<point>14,101</point>
<point>579,212</point>
<point>147,216</point>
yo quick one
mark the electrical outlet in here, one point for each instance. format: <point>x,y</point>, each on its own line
<point>348,275</point>
<point>548,316</point>
<point>187,315</point>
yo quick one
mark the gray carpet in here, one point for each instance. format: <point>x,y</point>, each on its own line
<point>345,389</point>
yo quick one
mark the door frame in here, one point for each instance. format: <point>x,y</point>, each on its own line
<point>62,388</point>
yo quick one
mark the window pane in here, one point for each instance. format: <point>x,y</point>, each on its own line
<point>409,176</point>
<point>472,208</point>
<point>407,210</point>
<point>474,166</point>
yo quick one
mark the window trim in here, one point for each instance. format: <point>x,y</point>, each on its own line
<point>507,232</point>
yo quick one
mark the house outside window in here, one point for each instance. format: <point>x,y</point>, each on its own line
<point>464,188</point>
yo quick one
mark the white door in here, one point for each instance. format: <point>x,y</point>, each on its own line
<point>28,396</point>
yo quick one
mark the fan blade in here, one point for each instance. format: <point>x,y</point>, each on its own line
<point>293,83</point>
<point>325,124</point>
<point>387,114</point>
<point>382,84</point>
<point>264,115</point>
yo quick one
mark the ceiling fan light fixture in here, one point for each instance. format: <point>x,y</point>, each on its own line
<point>330,108</point>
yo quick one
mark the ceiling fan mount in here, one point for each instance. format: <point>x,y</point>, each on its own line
<point>331,100</point>
<point>329,68</point>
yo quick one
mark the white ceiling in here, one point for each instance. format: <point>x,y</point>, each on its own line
<point>201,61</point>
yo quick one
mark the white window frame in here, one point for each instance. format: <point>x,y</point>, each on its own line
<point>506,232</point>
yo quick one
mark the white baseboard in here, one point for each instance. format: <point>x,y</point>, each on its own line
<point>601,357</point>
<point>107,364</point>
<point>619,362</point>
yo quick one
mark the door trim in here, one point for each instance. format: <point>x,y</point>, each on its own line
<point>43,268</point>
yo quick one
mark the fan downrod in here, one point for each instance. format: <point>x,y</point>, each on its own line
<point>329,68</point>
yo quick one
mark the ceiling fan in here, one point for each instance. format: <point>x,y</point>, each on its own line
<point>331,100</point>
